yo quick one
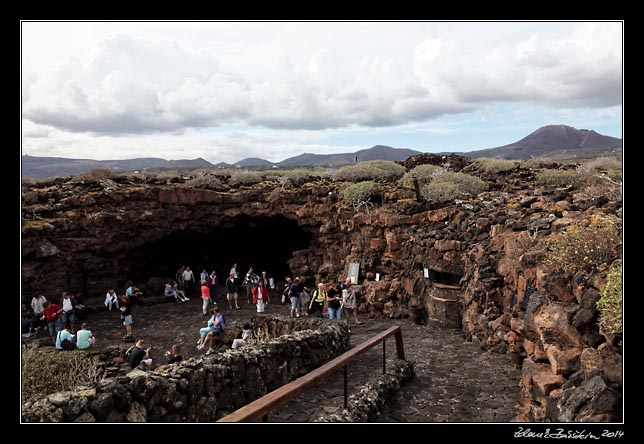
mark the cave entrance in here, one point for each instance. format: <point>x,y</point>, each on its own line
<point>266,244</point>
<point>444,278</point>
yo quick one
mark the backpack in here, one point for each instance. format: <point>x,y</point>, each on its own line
<point>66,344</point>
<point>129,351</point>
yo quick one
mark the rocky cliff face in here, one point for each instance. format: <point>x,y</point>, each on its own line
<point>483,258</point>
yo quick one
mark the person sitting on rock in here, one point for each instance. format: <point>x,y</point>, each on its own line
<point>84,338</point>
<point>140,357</point>
<point>172,291</point>
<point>64,339</point>
<point>174,355</point>
<point>111,299</point>
<point>217,329</point>
<point>247,333</point>
<point>204,331</point>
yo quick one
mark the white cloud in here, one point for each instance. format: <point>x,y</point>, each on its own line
<point>140,86</point>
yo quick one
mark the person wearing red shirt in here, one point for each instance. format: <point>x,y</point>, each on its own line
<point>52,314</point>
<point>260,296</point>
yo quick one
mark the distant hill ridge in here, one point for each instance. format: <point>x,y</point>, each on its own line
<point>555,141</point>
<point>550,140</point>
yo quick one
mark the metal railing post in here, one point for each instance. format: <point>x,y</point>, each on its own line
<point>346,392</point>
<point>384,362</point>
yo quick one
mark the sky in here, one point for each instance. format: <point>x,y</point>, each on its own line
<point>225,91</point>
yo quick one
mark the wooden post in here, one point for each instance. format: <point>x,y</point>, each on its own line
<point>419,198</point>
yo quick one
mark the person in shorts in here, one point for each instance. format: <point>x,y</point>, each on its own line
<point>126,314</point>
<point>231,291</point>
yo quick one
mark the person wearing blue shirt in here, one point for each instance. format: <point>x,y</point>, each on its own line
<point>61,336</point>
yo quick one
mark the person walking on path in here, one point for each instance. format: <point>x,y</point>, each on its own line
<point>334,301</point>
<point>348,302</point>
<point>318,299</point>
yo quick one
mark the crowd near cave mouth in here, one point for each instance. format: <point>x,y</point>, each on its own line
<point>264,243</point>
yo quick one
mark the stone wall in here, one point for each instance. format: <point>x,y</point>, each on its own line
<point>201,389</point>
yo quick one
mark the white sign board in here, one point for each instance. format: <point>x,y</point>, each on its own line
<point>354,269</point>
<point>426,273</point>
<point>377,277</point>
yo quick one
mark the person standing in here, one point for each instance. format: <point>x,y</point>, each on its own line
<point>205,297</point>
<point>179,276</point>
<point>188,280</point>
<point>334,301</point>
<point>69,316</point>
<point>250,281</point>
<point>318,299</point>
<point>348,302</point>
<point>213,281</point>
<point>37,306</point>
<point>260,296</point>
<point>294,296</point>
<point>52,314</point>
<point>84,338</point>
<point>231,291</point>
<point>126,315</point>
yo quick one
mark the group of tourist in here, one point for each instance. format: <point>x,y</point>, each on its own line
<point>337,298</point>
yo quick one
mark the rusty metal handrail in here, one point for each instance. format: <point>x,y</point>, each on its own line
<point>278,397</point>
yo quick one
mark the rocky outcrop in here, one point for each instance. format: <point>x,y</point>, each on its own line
<point>484,258</point>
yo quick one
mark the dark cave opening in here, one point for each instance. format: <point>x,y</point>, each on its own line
<point>266,244</point>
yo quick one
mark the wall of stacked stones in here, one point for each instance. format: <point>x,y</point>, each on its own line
<point>201,389</point>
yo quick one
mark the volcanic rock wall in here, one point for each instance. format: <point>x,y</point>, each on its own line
<point>484,258</point>
<point>201,389</point>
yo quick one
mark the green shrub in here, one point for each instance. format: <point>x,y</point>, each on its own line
<point>381,170</point>
<point>245,177</point>
<point>357,192</point>
<point>610,303</point>
<point>561,178</point>
<point>450,186</point>
<point>97,174</point>
<point>207,181</point>
<point>295,176</point>
<point>495,165</point>
<point>44,373</point>
<point>604,165</point>
<point>424,174</point>
<point>583,247</point>
<point>440,191</point>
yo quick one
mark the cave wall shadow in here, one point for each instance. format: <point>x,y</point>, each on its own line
<point>265,243</point>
